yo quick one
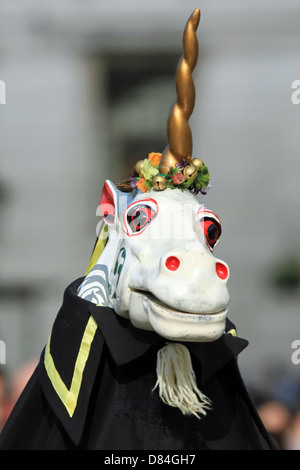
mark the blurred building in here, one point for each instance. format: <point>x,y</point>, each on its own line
<point>88,90</point>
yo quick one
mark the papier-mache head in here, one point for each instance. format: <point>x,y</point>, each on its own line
<point>154,262</point>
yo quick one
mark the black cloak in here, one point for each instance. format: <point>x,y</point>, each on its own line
<point>93,389</point>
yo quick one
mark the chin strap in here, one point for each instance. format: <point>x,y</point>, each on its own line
<point>176,381</point>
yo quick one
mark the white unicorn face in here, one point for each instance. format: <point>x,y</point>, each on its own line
<point>159,264</point>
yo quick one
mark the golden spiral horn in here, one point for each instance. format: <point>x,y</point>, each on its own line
<point>180,142</point>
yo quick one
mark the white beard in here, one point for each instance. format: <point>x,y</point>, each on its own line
<point>176,381</point>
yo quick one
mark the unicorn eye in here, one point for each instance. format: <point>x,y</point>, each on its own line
<point>210,226</point>
<point>212,231</point>
<point>139,215</point>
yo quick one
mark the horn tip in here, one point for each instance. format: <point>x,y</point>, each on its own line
<point>196,15</point>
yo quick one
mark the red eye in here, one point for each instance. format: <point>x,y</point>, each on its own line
<point>211,231</point>
<point>139,215</point>
<point>211,227</point>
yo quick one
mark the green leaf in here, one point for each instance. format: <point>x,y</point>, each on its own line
<point>148,170</point>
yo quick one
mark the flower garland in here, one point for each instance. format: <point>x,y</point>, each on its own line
<point>193,175</point>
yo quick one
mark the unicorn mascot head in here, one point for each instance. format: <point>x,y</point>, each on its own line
<point>153,262</point>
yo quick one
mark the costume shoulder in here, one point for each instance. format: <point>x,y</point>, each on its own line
<point>64,398</point>
<point>56,398</point>
<point>52,410</point>
<point>70,361</point>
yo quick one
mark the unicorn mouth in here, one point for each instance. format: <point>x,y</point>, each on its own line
<point>147,312</point>
<point>160,304</point>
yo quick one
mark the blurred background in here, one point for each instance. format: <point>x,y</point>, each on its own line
<point>88,89</point>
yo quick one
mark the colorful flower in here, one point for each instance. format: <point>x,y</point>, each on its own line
<point>178,178</point>
<point>148,171</point>
<point>133,181</point>
<point>175,177</point>
<point>154,158</point>
<point>141,185</point>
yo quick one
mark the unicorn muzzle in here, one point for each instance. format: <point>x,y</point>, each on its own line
<point>186,298</point>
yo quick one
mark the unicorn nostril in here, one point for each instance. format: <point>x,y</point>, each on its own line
<point>222,270</point>
<point>172,263</point>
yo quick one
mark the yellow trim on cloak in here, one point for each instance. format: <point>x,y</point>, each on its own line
<point>232,332</point>
<point>100,245</point>
<point>69,397</point>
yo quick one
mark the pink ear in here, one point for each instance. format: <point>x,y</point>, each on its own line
<point>107,204</point>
